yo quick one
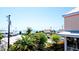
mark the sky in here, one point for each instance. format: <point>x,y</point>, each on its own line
<point>38,18</point>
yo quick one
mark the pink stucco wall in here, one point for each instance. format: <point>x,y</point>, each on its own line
<point>71,22</point>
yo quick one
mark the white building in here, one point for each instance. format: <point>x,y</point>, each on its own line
<point>71,30</point>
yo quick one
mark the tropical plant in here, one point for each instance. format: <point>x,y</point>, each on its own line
<point>28,30</point>
<point>30,41</point>
<point>20,32</point>
<point>1,36</point>
<point>26,43</point>
<point>55,37</point>
<point>41,39</point>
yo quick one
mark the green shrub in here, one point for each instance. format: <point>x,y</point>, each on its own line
<point>41,39</point>
<point>26,43</point>
<point>55,37</point>
<point>57,46</point>
<point>30,41</point>
<point>1,36</point>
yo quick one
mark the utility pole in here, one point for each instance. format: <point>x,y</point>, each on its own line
<point>9,23</point>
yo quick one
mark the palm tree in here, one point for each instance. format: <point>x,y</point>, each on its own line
<point>28,30</point>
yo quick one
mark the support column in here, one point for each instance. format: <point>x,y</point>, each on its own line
<point>65,44</point>
<point>75,43</point>
<point>78,43</point>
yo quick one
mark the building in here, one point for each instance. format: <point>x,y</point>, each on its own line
<point>71,30</point>
<point>71,20</point>
<point>48,31</point>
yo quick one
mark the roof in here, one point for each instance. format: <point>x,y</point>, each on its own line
<point>72,12</point>
<point>69,34</point>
